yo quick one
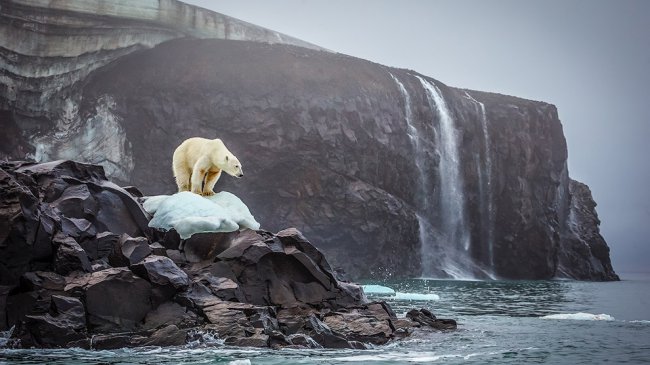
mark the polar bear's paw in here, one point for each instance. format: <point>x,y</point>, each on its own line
<point>207,193</point>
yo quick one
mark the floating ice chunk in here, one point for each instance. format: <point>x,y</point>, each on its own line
<point>377,290</point>
<point>416,296</point>
<point>580,316</point>
<point>190,213</point>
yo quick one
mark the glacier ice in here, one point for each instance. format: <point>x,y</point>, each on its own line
<point>189,213</point>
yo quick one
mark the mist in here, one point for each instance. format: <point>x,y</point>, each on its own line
<point>589,58</point>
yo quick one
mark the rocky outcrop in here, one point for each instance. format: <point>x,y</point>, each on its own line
<point>584,254</point>
<point>355,154</point>
<point>79,267</point>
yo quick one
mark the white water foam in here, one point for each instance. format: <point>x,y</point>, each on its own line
<point>5,336</point>
<point>580,316</point>
<point>240,362</point>
<point>423,357</point>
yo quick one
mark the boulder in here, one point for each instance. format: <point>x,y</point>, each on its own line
<point>426,319</point>
<point>65,323</point>
<point>206,246</point>
<point>285,270</point>
<point>369,324</point>
<point>100,246</point>
<point>169,335</point>
<point>64,199</point>
<point>116,299</point>
<point>129,251</point>
<point>69,256</point>
<point>171,313</point>
<point>162,271</point>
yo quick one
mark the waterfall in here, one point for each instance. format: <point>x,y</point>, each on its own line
<point>444,234</point>
<point>485,187</point>
<point>453,232</point>
<point>422,189</point>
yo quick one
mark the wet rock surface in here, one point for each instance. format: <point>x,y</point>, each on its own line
<point>115,284</point>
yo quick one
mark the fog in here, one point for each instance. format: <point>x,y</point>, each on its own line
<point>590,58</point>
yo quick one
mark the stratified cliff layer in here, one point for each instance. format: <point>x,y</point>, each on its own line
<point>392,172</point>
<point>48,48</point>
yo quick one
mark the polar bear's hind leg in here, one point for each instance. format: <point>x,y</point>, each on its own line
<point>182,175</point>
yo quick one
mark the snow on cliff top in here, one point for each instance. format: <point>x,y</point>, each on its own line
<point>189,213</point>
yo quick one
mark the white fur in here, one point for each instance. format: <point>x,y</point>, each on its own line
<point>198,163</point>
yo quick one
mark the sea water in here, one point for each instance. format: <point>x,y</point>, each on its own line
<point>499,322</point>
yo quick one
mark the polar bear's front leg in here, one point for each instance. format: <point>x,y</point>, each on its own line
<point>210,180</point>
<point>198,174</point>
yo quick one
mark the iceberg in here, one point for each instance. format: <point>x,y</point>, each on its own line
<point>190,213</point>
<point>389,293</point>
<point>416,296</point>
<point>377,290</point>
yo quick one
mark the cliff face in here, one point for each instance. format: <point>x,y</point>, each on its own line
<point>48,49</point>
<point>392,172</point>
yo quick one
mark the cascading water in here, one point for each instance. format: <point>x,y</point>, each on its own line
<point>445,241</point>
<point>485,186</point>
<point>422,193</point>
<point>453,232</point>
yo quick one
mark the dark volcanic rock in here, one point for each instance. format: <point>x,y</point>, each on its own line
<point>426,318</point>
<point>584,254</point>
<point>101,246</point>
<point>171,313</point>
<point>37,199</point>
<point>129,250</point>
<point>161,270</point>
<point>248,288</point>
<point>69,256</point>
<point>206,246</point>
<point>115,298</point>
<point>285,270</point>
<point>65,323</point>
<point>369,324</point>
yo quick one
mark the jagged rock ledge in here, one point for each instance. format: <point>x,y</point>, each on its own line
<point>79,267</point>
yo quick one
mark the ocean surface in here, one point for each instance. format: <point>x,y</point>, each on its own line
<point>499,322</point>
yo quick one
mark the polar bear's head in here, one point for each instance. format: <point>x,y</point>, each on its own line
<point>232,166</point>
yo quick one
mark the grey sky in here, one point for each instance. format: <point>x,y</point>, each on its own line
<point>590,58</point>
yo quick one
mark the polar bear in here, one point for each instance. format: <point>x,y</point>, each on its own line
<point>198,163</point>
